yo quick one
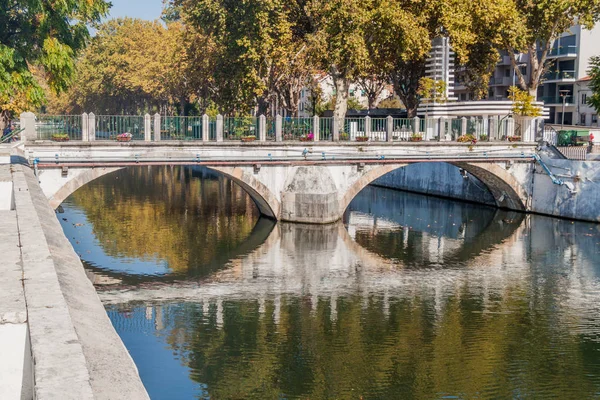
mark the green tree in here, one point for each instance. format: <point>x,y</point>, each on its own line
<point>532,26</point>
<point>133,66</point>
<point>594,73</point>
<point>42,35</point>
<point>339,38</point>
<point>523,103</point>
<point>258,42</point>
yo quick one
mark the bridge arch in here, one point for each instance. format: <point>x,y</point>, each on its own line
<point>507,191</point>
<point>58,188</point>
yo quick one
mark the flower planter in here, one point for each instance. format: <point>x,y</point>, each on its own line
<point>60,139</point>
<point>416,139</point>
<point>123,139</point>
<point>248,139</point>
<point>304,139</point>
<point>514,138</point>
<point>362,139</point>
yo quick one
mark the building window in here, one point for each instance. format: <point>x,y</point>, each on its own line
<point>524,70</point>
<point>507,73</point>
<point>582,119</point>
<point>584,98</point>
<point>594,118</point>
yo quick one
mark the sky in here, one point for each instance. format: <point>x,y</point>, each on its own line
<point>144,9</point>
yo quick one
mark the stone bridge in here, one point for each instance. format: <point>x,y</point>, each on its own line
<point>291,182</point>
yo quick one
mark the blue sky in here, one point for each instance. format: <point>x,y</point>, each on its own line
<point>145,9</point>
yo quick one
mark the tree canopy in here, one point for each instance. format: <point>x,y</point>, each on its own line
<point>43,38</point>
<point>531,27</point>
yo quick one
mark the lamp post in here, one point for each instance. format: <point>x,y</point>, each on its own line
<point>563,93</point>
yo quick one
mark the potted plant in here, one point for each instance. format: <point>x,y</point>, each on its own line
<point>362,138</point>
<point>344,136</point>
<point>248,138</point>
<point>307,138</point>
<point>60,137</point>
<point>288,136</point>
<point>483,138</point>
<point>468,138</point>
<point>124,137</point>
<point>416,137</point>
<point>514,138</point>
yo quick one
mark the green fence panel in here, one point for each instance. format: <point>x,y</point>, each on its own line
<point>109,126</point>
<point>326,128</point>
<point>48,125</point>
<point>296,128</point>
<point>236,127</point>
<point>181,128</point>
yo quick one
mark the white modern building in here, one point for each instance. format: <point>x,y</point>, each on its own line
<point>570,57</point>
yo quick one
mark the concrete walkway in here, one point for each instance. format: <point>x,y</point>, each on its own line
<point>75,350</point>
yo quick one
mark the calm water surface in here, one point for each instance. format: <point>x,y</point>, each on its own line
<point>411,297</point>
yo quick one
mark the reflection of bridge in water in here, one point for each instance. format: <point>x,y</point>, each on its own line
<point>324,261</point>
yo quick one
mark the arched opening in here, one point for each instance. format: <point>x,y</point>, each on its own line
<point>59,188</point>
<point>493,181</point>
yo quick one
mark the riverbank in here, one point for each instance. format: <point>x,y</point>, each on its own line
<point>75,351</point>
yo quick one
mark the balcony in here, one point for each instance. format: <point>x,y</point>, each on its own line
<point>502,81</point>
<point>563,52</point>
<point>560,76</point>
<point>557,100</point>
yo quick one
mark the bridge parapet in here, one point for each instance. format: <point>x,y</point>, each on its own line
<point>89,127</point>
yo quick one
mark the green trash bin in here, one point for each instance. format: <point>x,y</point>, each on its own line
<point>564,138</point>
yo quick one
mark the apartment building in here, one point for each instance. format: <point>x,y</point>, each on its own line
<point>570,56</point>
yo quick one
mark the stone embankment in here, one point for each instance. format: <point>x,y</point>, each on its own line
<point>547,198</point>
<point>56,341</point>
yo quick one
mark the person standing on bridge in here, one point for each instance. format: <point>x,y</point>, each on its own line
<point>7,131</point>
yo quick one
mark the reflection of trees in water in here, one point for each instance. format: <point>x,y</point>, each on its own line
<point>405,349</point>
<point>167,213</point>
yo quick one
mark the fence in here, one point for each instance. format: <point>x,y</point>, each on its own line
<point>107,127</point>
<point>59,127</point>
<point>234,128</point>
<point>193,128</point>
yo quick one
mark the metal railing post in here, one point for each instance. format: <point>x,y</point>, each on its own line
<point>463,126</point>
<point>416,125</point>
<point>316,128</point>
<point>219,128</point>
<point>262,128</point>
<point>367,130</point>
<point>85,131</point>
<point>205,128</point>
<point>278,128</point>
<point>147,128</point>
<point>157,127</point>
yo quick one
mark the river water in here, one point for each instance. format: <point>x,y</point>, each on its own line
<point>409,297</point>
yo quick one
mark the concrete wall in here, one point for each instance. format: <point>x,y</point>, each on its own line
<point>438,179</point>
<point>77,353</point>
<point>546,198</point>
<point>556,200</point>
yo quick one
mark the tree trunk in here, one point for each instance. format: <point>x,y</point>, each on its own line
<point>341,98</point>
<point>263,105</point>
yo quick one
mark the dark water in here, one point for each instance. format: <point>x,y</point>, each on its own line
<point>411,297</point>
